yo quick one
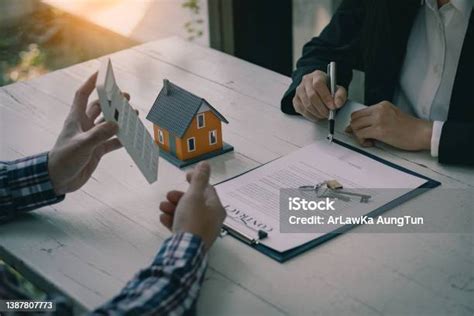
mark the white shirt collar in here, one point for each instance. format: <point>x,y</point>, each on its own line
<point>463,6</point>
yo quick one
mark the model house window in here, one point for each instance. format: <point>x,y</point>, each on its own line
<point>212,137</point>
<point>116,115</point>
<point>161,139</point>
<point>200,120</point>
<point>191,144</point>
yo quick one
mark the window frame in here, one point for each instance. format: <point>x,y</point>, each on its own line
<point>161,137</point>
<point>194,142</point>
<point>203,120</point>
<point>210,137</point>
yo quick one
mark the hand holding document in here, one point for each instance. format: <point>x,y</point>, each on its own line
<point>132,133</point>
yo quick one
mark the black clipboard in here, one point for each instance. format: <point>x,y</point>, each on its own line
<point>289,254</point>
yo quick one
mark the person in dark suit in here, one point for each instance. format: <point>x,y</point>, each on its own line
<point>418,59</point>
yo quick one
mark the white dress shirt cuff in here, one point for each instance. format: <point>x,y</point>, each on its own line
<point>435,137</point>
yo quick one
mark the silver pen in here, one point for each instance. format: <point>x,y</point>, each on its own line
<point>331,73</point>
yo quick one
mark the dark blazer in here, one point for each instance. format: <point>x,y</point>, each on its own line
<point>341,41</point>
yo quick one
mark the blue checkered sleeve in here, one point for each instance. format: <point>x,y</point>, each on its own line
<point>25,185</point>
<point>170,286</point>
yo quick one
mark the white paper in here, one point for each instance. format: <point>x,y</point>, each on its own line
<point>132,133</point>
<point>256,193</point>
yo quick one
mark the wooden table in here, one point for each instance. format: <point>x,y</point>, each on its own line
<point>88,246</point>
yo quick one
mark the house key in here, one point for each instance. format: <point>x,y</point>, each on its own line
<point>333,189</point>
<point>323,192</point>
<point>364,198</point>
<point>333,194</point>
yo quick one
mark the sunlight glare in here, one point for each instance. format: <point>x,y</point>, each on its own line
<point>120,16</point>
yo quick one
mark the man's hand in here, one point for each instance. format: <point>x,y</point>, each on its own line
<point>81,143</point>
<point>386,123</point>
<point>313,99</point>
<point>198,211</point>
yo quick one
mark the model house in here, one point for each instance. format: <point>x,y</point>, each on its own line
<point>186,126</point>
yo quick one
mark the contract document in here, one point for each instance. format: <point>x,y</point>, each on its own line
<point>252,200</point>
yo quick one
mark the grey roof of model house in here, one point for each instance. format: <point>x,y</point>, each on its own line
<point>175,108</point>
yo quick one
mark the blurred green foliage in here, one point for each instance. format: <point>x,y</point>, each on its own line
<point>50,39</point>
<point>195,26</point>
<point>193,5</point>
<point>23,46</point>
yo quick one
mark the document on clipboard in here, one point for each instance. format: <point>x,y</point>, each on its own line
<point>252,199</point>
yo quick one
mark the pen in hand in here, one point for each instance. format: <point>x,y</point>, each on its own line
<point>331,72</point>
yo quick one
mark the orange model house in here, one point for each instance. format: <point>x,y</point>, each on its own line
<point>186,127</point>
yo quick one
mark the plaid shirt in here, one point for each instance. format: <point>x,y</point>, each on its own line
<point>169,286</point>
<point>25,185</point>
